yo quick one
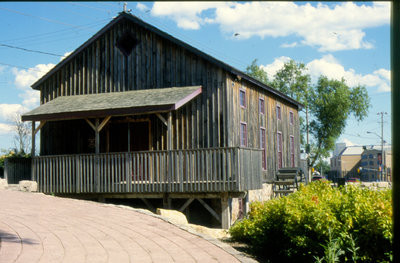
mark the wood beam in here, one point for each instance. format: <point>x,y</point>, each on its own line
<point>209,209</point>
<point>148,204</point>
<point>186,204</point>
<point>162,119</point>
<point>42,123</point>
<point>91,124</point>
<point>103,123</point>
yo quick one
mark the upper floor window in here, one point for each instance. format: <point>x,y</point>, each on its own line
<point>279,148</point>
<point>364,156</point>
<point>263,148</point>
<point>243,134</point>
<point>371,156</point>
<point>292,151</point>
<point>261,105</point>
<point>291,117</point>
<point>242,98</point>
<point>278,112</point>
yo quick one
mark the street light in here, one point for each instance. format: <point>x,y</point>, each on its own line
<point>382,151</point>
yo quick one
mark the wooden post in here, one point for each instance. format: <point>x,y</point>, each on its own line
<point>97,134</point>
<point>33,152</point>
<point>169,148</point>
<point>225,213</point>
<point>97,143</point>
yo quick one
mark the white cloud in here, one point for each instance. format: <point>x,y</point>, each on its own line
<point>272,68</point>
<point>328,28</point>
<point>24,79</point>
<point>6,128</point>
<point>289,45</point>
<point>9,111</point>
<point>330,67</point>
<point>141,7</point>
<point>187,15</point>
<point>66,54</point>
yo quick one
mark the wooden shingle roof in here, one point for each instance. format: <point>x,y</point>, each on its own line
<point>113,104</point>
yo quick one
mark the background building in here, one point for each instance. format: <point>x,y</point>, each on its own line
<point>345,161</point>
<point>372,163</point>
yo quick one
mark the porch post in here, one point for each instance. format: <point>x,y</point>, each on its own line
<point>169,148</point>
<point>97,142</point>
<point>97,138</point>
<point>225,213</point>
<point>33,151</point>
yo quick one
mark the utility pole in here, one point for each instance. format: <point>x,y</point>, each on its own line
<point>383,159</point>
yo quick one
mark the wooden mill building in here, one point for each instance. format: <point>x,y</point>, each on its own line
<point>136,113</point>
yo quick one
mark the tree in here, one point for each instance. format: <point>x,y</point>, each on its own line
<point>21,136</point>
<point>293,81</point>
<point>328,104</point>
<point>257,72</point>
<point>331,104</point>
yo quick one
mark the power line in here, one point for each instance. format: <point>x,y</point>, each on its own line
<point>31,50</point>
<point>38,17</point>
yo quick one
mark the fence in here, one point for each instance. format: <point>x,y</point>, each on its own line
<point>17,169</point>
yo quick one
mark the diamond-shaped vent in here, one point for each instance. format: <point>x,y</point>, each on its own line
<point>126,43</point>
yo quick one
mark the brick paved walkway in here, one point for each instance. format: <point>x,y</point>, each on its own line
<point>39,228</point>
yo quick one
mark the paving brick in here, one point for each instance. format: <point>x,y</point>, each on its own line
<point>40,228</point>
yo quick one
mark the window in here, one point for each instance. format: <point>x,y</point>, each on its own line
<point>292,151</point>
<point>364,157</point>
<point>371,156</point>
<point>242,97</point>
<point>279,148</point>
<point>263,148</point>
<point>371,163</point>
<point>291,118</point>
<point>243,134</point>
<point>261,105</point>
<point>278,112</point>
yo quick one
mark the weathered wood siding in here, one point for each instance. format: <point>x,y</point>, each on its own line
<point>255,120</point>
<point>154,63</point>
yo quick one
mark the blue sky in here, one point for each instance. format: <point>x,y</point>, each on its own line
<point>350,40</point>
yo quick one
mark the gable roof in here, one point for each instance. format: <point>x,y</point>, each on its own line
<point>134,19</point>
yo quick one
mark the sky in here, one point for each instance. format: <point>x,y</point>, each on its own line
<point>339,40</point>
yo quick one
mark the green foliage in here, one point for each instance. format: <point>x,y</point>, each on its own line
<point>257,72</point>
<point>293,80</point>
<point>332,251</point>
<point>332,102</point>
<point>317,222</point>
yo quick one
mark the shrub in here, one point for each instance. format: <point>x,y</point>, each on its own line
<point>299,227</point>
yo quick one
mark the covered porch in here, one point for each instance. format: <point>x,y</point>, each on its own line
<point>102,143</point>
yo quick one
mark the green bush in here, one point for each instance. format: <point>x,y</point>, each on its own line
<point>299,227</point>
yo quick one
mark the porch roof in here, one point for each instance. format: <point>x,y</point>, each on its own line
<point>114,103</point>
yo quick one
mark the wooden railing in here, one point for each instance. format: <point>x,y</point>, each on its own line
<point>175,171</point>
